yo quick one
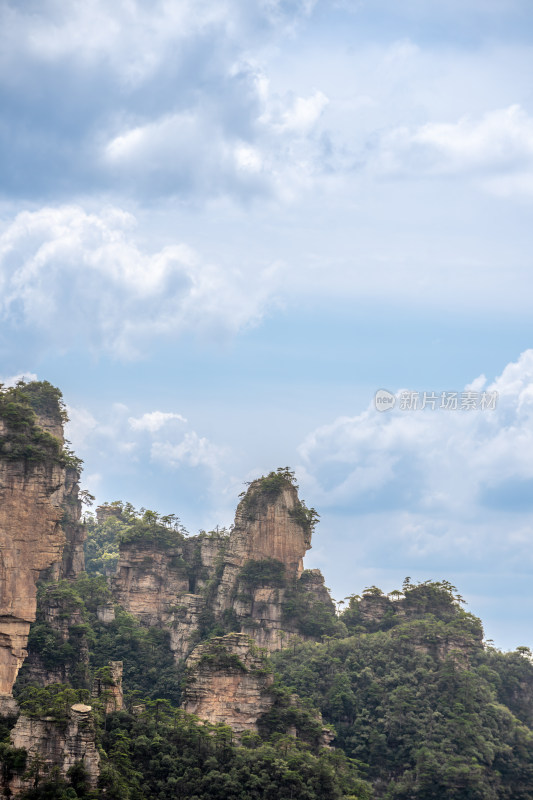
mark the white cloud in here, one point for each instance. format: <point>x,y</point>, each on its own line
<point>444,478</point>
<point>153,421</point>
<point>172,100</point>
<point>22,376</point>
<point>162,437</point>
<point>133,37</point>
<point>500,141</point>
<point>193,451</point>
<point>303,113</point>
<point>198,151</point>
<point>70,275</point>
<point>81,425</point>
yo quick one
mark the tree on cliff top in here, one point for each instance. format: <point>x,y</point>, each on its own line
<point>24,438</point>
<point>267,488</point>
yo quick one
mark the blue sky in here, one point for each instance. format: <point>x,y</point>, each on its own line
<point>224,225</point>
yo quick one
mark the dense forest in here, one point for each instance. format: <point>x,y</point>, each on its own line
<point>415,704</point>
<point>420,706</point>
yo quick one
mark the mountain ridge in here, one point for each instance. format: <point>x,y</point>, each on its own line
<point>170,658</point>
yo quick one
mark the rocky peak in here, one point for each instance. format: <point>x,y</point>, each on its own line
<point>108,510</point>
<point>272,522</point>
<point>108,684</point>
<point>218,581</point>
<point>38,491</point>
<point>50,744</point>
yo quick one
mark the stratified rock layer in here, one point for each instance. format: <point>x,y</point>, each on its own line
<point>227,682</point>
<point>166,586</point>
<point>265,528</point>
<point>109,687</point>
<point>58,745</point>
<point>35,497</point>
<point>200,579</point>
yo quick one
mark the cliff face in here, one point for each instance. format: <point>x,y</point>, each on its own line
<point>37,492</point>
<point>62,615</point>
<point>266,527</point>
<point>31,540</point>
<point>236,582</point>
<point>165,586</point>
<point>227,682</point>
<point>148,580</point>
<point>108,683</point>
<point>51,744</point>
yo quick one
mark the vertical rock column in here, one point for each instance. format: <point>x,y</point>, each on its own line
<point>36,495</point>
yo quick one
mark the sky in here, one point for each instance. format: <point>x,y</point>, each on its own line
<point>225,225</point>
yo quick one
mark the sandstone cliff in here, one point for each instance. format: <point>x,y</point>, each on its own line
<point>267,527</point>
<point>162,580</point>
<point>228,682</point>
<point>38,492</point>
<point>108,685</point>
<point>60,614</point>
<point>217,582</point>
<point>52,744</point>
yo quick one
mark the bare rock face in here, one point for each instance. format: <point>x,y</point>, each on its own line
<point>52,744</point>
<point>148,580</point>
<point>313,583</point>
<point>36,495</point>
<point>109,685</point>
<point>373,608</point>
<point>270,527</point>
<point>31,540</point>
<point>266,527</point>
<point>205,580</point>
<point>227,682</point>
<point>153,582</point>
<point>73,561</point>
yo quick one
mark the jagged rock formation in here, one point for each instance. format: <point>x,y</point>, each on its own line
<point>164,585</point>
<point>149,579</point>
<point>238,582</point>
<point>73,560</point>
<point>108,683</point>
<point>52,744</point>
<point>267,528</point>
<point>228,682</point>
<point>61,611</point>
<point>38,491</point>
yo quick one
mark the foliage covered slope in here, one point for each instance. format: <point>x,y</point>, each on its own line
<point>416,698</point>
<point>421,708</point>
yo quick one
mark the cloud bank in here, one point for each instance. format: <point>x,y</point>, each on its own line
<point>458,482</point>
<point>69,276</point>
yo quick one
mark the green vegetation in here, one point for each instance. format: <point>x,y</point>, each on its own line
<point>417,700</point>
<point>267,488</point>
<point>120,523</point>
<point>268,572</point>
<point>149,667</point>
<point>169,755</point>
<point>23,438</point>
<point>271,485</point>
<point>311,617</point>
<point>419,707</point>
<point>421,710</point>
<point>53,701</point>
<point>54,787</point>
<point>219,658</point>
